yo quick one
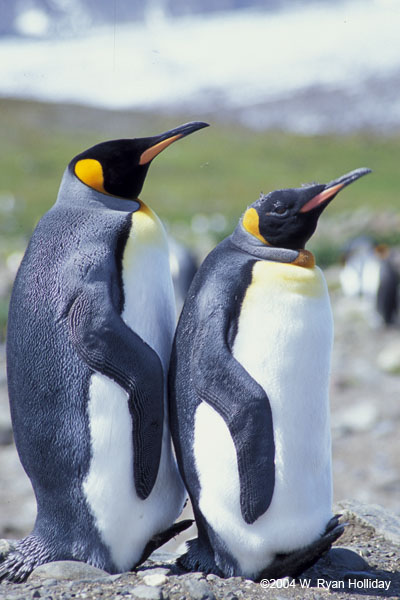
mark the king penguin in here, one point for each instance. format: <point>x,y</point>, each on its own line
<point>90,331</point>
<point>249,405</point>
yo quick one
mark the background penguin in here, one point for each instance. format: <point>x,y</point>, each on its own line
<point>249,400</point>
<point>183,264</point>
<point>90,329</point>
<point>369,271</point>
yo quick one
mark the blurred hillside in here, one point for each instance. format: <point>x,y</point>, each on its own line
<point>52,17</point>
<point>304,67</point>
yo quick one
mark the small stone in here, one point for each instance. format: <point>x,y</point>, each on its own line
<point>388,359</point>
<point>347,559</point>
<point>163,557</point>
<point>116,577</point>
<point>49,582</point>
<point>146,593</point>
<point>67,570</point>
<point>359,417</point>
<point>6,546</point>
<point>236,580</point>
<point>155,579</point>
<point>372,515</point>
<point>154,571</point>
<point>199,590</point>
<point>198,575</point>
<point>6,436</point>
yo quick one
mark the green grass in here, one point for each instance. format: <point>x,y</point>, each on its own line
<point>221,169</point>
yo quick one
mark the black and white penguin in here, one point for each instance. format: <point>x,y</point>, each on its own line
<point>249,402</point>
<point>90,330</point>
<point>183,264</point>
<point>370,272</point>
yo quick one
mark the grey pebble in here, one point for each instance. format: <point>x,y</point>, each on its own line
<point>6,436</point>
<point>198,575</point>
<point>359,417</point>
<point>155,579</point>
<point>154,571</point>
<point>372,515</point>
<point>199,590</point>
<point>347,559</point>
<point>67,570</point>
<point>6,546</point>
<point>145,592</point>
<point>49,582</point>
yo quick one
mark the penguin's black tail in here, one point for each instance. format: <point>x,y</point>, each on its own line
<point>295,563</point>
<point>165,536</point>
<point>22,557</point>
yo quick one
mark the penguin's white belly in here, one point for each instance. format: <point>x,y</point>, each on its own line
<point>284,341</point>
<point>125,522</point>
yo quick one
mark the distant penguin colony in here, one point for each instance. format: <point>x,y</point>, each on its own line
<point>249,403</point>
<point>90,328</point>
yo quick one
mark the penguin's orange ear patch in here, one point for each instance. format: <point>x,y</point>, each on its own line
<point>90,171</point>
<point>251,223</point>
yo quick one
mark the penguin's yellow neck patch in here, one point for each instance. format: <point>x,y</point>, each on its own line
<point>90,172</point>
<point>251,223</point>
<point>285,278</point>
<point>147,227</point>
<point>305,259</point>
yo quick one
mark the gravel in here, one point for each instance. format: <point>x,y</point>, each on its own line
<point>366,562</point>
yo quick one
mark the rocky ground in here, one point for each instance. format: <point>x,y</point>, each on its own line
<point>366,564</point>
<point>366,464</point>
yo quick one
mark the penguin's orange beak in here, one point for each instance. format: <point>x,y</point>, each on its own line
<point>160,142</point>
<point>152,152</point>
<point>332,188</point>
<point>322,197</point>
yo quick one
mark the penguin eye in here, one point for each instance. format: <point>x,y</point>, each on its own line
<point>279,210</point>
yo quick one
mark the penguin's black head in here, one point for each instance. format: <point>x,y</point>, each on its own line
<point>288,218</point>
<point>119,167</point>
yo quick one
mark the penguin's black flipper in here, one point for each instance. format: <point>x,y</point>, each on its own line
<point>223,383</point>
<point>295,563</point>
<point>107,345</point>
<point>165,536</point>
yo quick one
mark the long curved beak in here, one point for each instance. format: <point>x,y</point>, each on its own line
<point>159,142</point>
<point>332,188</point>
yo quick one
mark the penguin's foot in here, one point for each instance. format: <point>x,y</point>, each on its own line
<point>165,536</point>
<point>198,558</point>
<point>293,564</point>
<point>24,556</point>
